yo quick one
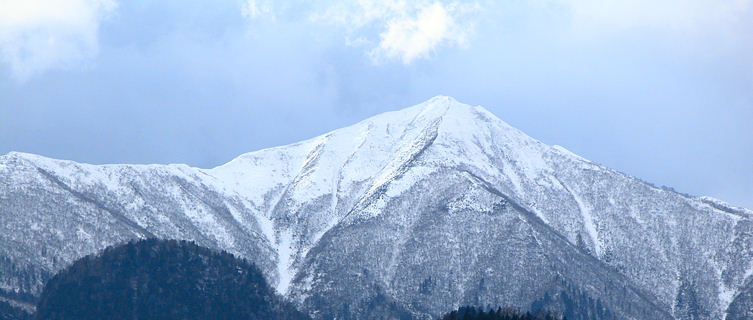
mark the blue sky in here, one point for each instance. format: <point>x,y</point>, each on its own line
<point>662,90</point>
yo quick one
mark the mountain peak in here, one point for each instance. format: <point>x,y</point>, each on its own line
<point>441,99</point>
<point>446,105</point>
<point>403,196</point>
<point>450,116</point>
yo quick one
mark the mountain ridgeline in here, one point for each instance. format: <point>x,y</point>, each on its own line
<point>161,279</point>
<point>408,213</point>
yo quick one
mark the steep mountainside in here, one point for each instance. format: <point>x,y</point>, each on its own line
<point>425,209</point>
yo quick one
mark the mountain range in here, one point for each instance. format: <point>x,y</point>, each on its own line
<point>417,211</point>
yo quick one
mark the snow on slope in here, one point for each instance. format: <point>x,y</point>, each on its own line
<point>354,165</point>
<point>292,196</point>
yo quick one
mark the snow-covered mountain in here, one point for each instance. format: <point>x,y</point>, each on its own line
<point>415,211</point>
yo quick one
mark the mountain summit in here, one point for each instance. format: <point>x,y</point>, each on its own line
<point>417,211</point>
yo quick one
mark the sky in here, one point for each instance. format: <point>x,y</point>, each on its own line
<point>661,90</point>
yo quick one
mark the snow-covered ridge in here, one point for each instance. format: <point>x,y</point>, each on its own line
<point>724,206</point>
<point>284,206</point>
<point>351,162</point>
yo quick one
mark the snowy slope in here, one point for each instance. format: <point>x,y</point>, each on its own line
<point>374,205</point>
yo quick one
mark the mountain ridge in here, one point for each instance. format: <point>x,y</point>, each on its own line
<point>727,206</point>
<point>278,204</point>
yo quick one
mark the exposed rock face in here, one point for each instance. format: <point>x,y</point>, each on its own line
<point>417,212</point>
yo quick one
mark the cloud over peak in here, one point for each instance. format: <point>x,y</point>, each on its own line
<point>253,9</point>
<point>409,38</point>
<point>41,35</point>
<point>401,30</point>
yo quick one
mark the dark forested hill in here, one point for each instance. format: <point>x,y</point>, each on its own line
<point>473,313</point>
<point>161,279</point>
<point>9,312</point>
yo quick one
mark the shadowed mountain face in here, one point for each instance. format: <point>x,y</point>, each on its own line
<point>417,211</point>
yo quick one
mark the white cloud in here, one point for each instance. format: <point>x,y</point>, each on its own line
<point>38,35</point>
<point>410,38</point>
<point>253,9</point>
<point>398,29</point>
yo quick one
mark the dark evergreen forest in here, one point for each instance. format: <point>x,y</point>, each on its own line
<point>474,313</point>
<point>8,312</point>
<point>162,279</point>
